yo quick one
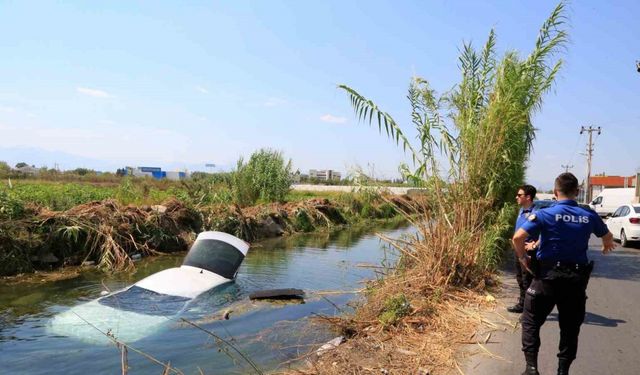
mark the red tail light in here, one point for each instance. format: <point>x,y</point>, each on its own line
<point>634,220</point>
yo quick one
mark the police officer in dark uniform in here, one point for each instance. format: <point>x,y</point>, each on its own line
<point>561,273</point>
<point>525,196</point>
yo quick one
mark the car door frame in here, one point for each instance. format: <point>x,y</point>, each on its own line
<point>612,223</point>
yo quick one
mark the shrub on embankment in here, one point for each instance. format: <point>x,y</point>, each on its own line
<point>109,232</point>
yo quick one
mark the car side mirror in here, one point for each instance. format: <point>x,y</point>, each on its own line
<point>607,216</point>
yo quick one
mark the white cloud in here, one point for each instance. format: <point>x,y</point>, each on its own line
<point>93,92</point>
<point>333,119</point>
<point>202,89</point>
<point>273,102</point>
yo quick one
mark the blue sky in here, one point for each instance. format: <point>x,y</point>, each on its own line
<point>180,84</point>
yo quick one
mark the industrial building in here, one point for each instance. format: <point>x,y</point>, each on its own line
<point>155,172</point>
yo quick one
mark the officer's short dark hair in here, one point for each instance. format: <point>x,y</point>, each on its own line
<point>529,190</point>
<point>567,184</point>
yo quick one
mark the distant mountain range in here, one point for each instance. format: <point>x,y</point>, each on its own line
<point>67,161</point>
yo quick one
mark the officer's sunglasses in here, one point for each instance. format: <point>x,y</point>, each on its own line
<point>520,195</point>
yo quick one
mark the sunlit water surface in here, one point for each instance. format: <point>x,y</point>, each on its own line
<point>271,334</point>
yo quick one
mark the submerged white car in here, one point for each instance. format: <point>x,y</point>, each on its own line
<point>625,223</point>
<point>141,309</point>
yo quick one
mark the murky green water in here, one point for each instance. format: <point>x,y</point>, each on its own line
<point>270,334</point>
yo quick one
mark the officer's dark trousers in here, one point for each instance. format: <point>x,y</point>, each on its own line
<point>542,295</point>
<point>523,277</point>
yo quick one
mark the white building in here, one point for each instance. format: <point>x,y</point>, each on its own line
<point>27,169</point>
<point>324,175</point>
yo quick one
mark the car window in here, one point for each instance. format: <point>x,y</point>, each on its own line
<point>617,212</point>
<point>637,209</point>
<point>597,200</point>
<point>625,211</point>
<point>144,301</point>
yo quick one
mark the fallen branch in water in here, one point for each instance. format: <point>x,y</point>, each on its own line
<point>120,344</point>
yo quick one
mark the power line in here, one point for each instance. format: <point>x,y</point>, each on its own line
<point>567,167</point>
<point>575,149</point>
<point>589,130</point>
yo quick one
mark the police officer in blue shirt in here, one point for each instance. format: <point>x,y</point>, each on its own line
<point>562,271</point>
<point>524,198</point>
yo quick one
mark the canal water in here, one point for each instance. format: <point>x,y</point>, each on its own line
<point>271,334</point>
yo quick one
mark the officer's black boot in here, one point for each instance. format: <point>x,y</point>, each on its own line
<point>517,308</point>
<point>532,364</point>
<point>563,366</point>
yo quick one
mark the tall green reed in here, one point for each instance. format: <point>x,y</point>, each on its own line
<point>473,141</point>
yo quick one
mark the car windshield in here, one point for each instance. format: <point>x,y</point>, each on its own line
<point>216,256</point>
<point>145,301</point>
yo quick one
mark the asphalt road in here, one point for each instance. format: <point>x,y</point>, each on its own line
<point>609,337</point>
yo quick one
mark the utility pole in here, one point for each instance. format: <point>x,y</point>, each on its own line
<point>590,130</point>
<point>566,167</point>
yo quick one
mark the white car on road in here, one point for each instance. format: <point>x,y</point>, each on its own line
<point>625,223</point>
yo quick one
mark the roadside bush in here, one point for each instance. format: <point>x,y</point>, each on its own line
<point>5,169</point>
<point>266,176</point>
<point>127,192</point>
<point>395,308</point>
<point>204,189</point>
<point>10,208</point>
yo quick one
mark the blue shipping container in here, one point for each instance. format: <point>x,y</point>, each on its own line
<point>150,169</point>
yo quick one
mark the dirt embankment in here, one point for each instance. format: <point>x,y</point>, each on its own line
<point>111,235</point>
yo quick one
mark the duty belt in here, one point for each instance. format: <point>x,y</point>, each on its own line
<point>563,270</point>
<point>565,265</point>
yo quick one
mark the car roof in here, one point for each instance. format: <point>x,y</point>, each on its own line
<point>543,203</point>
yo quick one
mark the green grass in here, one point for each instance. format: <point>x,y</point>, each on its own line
<point>57,196</point>
<point>301,195</point>
<point>60,196</point>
